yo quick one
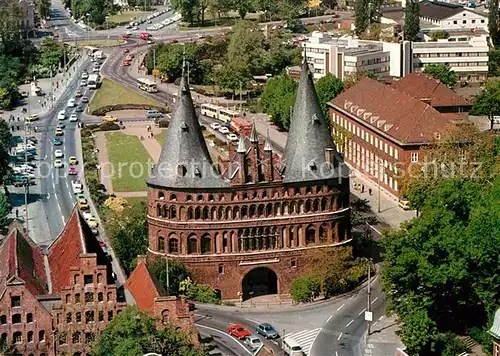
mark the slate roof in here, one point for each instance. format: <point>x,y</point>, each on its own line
<point>421,86</point>
<point>21,259</point>
<point>143,286</point>
<point>308,137</point>
<point>438,10</point>
<point>184,160</point>
<point>391,112</point>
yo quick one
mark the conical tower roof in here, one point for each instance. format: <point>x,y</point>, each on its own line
<point>184,160</point>
<point>309,137</point>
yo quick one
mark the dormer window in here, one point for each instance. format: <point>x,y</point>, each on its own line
<point>184,127</point>
<point>197,172</point>
<point>312,166</point>
<point>181,170</point>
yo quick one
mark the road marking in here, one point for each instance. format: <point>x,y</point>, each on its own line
<point>69,192</point>
<point>341,307</point>
<point>336,353</point>
<point>253,321</point>
<point>382,317</point>
<point>330,318</point>
<point>340,336</point>
<point>361,312</point>
<point>54,185</point>
<point>374,300</point>
<point>349,323</point>
<point>224,333</point>
<point>305,338</point>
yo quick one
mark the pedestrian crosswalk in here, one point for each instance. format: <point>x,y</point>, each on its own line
<point>305,338</point>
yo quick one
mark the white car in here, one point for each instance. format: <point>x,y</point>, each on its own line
<point>73,117</point>
<point>71,103</point>
<point>61,115</point>
<point>223,130</point>
<point>83,83</point>
<point>215,125</point>
<point>58,163</point>
<point>85,75</point>
<point>58,154</point>
<point>77,187</point>
<point>232,137</point>
<point>136,28</point>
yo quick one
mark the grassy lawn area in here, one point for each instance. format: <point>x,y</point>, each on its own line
<point>128,16</point>
<point>112,93</point>
<point>101,43</point>
<point>228,19</point>
<point>161,137</point>
<point>129,160</point>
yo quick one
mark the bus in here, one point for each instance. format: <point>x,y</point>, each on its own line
<point>210,110</point>
<point>93,81</point>
<point>147,85</point>
<point>225,115</point>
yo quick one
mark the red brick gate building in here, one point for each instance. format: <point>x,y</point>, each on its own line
<point>246,226</point>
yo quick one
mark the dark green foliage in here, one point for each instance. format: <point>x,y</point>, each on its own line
<point>494,63</point>
<point>361,16</point>
<point>487,102</point>
<point>5,209</point>
<point>327,88</point>
<point>133,333</point>
<point>439,35</point>
<point>278,98</point>
<point>176,273</point>
<point>493,23</point>
<point>109,126</point>
<point>304,289</point>
<point>442,72</point>
<point>198,292</point>
<point>412,20</point>
<point>51,54</point>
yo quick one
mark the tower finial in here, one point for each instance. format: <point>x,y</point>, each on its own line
<point>254,137</point>
<point>267,144</point>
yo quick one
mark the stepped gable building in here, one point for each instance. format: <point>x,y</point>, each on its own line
<point>247,226</point>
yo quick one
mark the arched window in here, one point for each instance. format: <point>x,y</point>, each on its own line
<point>316,205</point>
<point>277,209</point>
<point>197,213</point>
<point>200,197</point>
<point>29,318</point>
<point>68,298</point>
<point>213,213</point>
<point>76,279</point>
<point>220,212</point>
<point>173,212</point>
<point>161,244</point>
<point>16,318</point>
<point>69,318</point>
<point>324,204</point>
<point>260,210</point>
<point>252,211</point>
<point>293,207</point>
<point>3,319</point>
<point>269,209</point>
<point>164,316</point>
<point>322,233</point>
<point>285,208</point>
<point>109,296</point>
<point>211,197</point>
<point>173,197</point>
<point>189,197</point>
<point>161,196</point>
<point>308,206</point>
<point>236,212</point>
<point>206,244</point>
<point>158,210</point>
<point>192,244</point>
<point>205,213</point>
<point>310,235</point>
<point>99,278</point>
<point>190,214</point>
<point>100,297</point>
<point>3,338</point>
<point>173,245</point>
<point>228,213</point>
<point>17,337</point>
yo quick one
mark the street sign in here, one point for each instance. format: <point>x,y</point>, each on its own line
<point>156,72</point>
<point>368,316</point>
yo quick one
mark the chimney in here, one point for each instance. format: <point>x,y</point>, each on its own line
<point>241,157</point>
<point>330,156</point>
<point>269,165</point>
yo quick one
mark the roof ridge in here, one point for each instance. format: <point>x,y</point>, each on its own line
<point>78,219</point>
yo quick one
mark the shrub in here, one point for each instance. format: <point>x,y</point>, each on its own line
<point>109,126</point>
<point>304,289</point>
<point>199,292</point>
<point>163,123</point>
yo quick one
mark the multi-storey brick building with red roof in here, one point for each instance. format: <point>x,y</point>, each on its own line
<point>247,226</point>
<point>55,301</point>
<point>388,124</point>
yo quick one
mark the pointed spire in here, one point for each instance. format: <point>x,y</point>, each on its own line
<point>267,145</point>
<point>241,145</point>
<point>184,160</point>
<point>309,136</point>
<point>254,137</point>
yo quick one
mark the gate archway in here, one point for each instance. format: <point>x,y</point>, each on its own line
<point>259,281</point>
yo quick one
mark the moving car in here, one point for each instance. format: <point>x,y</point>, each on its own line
<point>73,117</point>
<point>72,171</point>
<point>32,117</point>
<point>83,204</point>
<point>80,108</point>
<point>238,331</point>
<point>60,126</point>
<point>125,63</point>
<point>152,114</point>
<point>71,103</point>
<point>215,125</point>
<point>266,330</point>
<point>77,188</point>
<point>191,305</point>
<point>57,141</point>
<point>232,137</point>
<point>58,154</point>
<point>61,115</point>
<point>78,94</point>
<point>253,342</point>
<point>85,75</point>
<point>83,83</point>
<point>72,160</point>
<point>126,50</point>
<point>109,118</point>
<point>58,163</point>
<point>85,100</point>
<point>59,132</point>
<point>223,130</point>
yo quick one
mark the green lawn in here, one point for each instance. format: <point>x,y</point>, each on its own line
<point>101,43</point>
<point>129,160</point>
<point>112,93</point>
<point>161,137</point>
<point>128,16</point>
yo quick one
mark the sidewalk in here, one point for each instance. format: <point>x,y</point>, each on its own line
<point>383,340</point>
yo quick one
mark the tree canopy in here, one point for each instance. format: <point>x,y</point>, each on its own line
<point>487,102</point>
<point>442,72</point>
<point>327,88</point>
<point>412,21</point>
<point>278,98</point>
<point>133,333</point>
<point>493,23</point>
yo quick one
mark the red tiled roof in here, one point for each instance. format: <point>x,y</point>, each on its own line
<point>389,111</point>
<point>143,287</point>
<point>64,252</point>
<point>20,257</point>
<point>420,86</point>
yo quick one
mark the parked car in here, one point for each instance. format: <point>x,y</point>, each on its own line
<point>153,114</point>
<point>72,160</point>
<point>61,115</point>
<point>223,130</point>
<point>215,125</point>
<point>58,154</point>
<point>238,331</point>
<point>85,100</point>
<point>253,342</point>
<point>73,118</point>
<point>79,108</point>
<point>57,141</point>
<point>232,137</point>
<point>72,171</point>
<point>266,330</point>
<point>58,163</point>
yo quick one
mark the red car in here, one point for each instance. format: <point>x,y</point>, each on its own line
<point>72,171</point>
<point>126,50</point>
<point>125,36</point>
<point>238,331</point>
<point>191,305</point>
<point>125,63</point>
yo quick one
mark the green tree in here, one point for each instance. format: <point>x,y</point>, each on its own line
<point>361,16</point>
<point>5,209</point>
<point>412,21</point>
<point>304,289</point>
<point>493,23</point>
<point>278,98</point>
<point>187,8</point>
<point>494,63</point>
<point>419,333</point>
<point>43,8</point>
<point>51,53</point>
<point>439,35</point>
<point>328,87</point>
<point>198,292</point>
<point>487,102</point>
<point>243,7</point>
<point>177,272</point>
<point>133,333</point>
<point>442,72</point>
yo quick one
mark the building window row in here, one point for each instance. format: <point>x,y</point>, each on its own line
<point>89,297</point>
<point>16,318</point>
<point>88,278</point>
<point>89,316</point>
<point>17,337</point>
<point>450,54</point>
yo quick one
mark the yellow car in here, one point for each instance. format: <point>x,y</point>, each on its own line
<point>72,160</point>
<point>110,118</point>
<point>31,118</point>
<point>59,132</point>
<point>78,94</point>
<point>83,205</point>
